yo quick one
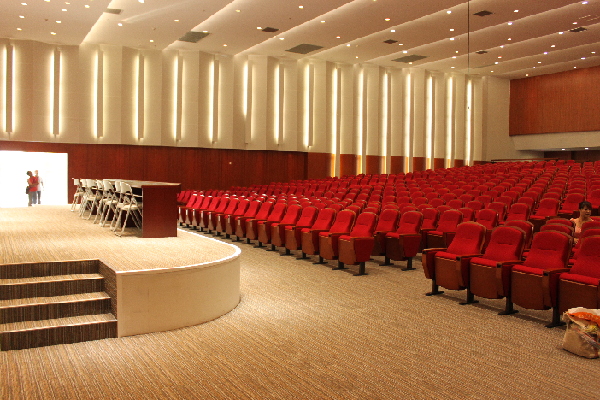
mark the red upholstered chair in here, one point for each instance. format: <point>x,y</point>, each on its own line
<point>563,221</point>
<point>558,228</point>
<point>217,220</point>
<point>485,199</point>
<point>203,213</point>
<point>224,206</point>
<point>455,204</point>
<point>594,198</point>
<point>449,267</point>
<point>232,223</point>
<point>517,212</point>
<point>443,234</point>
<point>548,208</point>
<point>279,212</point>
<point>475,205</point>
<point>194,213</point>
<point>183,209</point>
<point>276,237</point>
<point>328,241</point>
<point>468,214</point>
<point>489,275</point>
<point>387,222</point>
<point>534,283</point>
<point>225,221</point>
<point>436,202</point>
<point>500,208</point>
<point>243,223</point>
<point>570,204</point>
<point>578,287</point>
<point>292,239</point>
<point>405,242</point>
<point>417,201</point>
<point>357,247</point>
<point>309,237</point>
<point>584,233</point>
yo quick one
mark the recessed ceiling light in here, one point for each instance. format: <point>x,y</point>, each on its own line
<point>492,71</point>
<point>19,29</point>
<point>387,19</point>
<point>560,33</point>
<point>573,67</point>
<point>176,20</point>
<point>400,44</point>
<point>53,33</point>
<point>456,51</point>
<point>509,38</point>
<point>502,46</point>
<point>496,62</point>
<point>405,51</point>
<point>584,2</point>
<point>338,37</point>
<point>451,38</point>
<point>393,30</point>
<point>120,24</point>
<point>510,23</point>
<point>574,23</point>
<point>563,149</point>
<point>348,45</point>
<point>499,56</point>
<point>281,38</point>
<point>224,45</point>
<point>451,67</point>
<point>24,4</point>
<point>151,41</point>
<point>526,74</point>
<point>141,1</point>
<point>300,6</point>
<point>356,56</point>
<point>87,6</point>
<point>21,16</point>
<point>204,31</point>
<point>583,58</point>
<point>58,22</point>
<point>553,45</point>
<point>259,27</point>
<point>448,12</point>
<point>516,10</point>
<point>539,62</point>
<point>586,148</point>
<point>453,56</point>
<point>238,10</point>
<point>545,52</point>
<point>451,29</point>
<point>322,22</point>
<point>593,52</point>
<point>64,9</point>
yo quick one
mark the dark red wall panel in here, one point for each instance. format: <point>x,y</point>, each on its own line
<point>347,164</point>
<point>396,164</point>
<point>419,164</point>
<point>373,164</point>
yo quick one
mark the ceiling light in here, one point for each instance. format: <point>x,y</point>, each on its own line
<point>526,74</point>
<point>451,38</point>
<point>53,33</point>
<point>451,29</point>
<point>141,1</point>
<point>338,37</point>
<point>58,22</point>
<point>510,23</point>
<point>502,46</point>
<point>456,52</point>
<point>553,45</point>
<point>400,44</point>
<point>120,24</point>
<point>539,62</point>
<point>224,45</point>
<point>499,56</point>
<point>560,33</point>
<point>492,71</point>
<point>448,12</point>
<point>176,20</point>
<point>348,45</point>
<point>47,1</point>
<point>509,38</point>
<point>259,27</point>
<point>584,2</point>
<point>387,19</point>
<point>563,149</point>
<point>151,41</point>
<point>300,6</point>
<point>496,62</point>
<point>586,148</point>
<point>574,23</point>
<point>237,10</point>
<point>453,56</point>
<point>19,29</point>
<point>583,58</point>
<point>593,52</point>
<point>322,22</point>
<point>516,10</point>
<point>356,56</point>
<point>451,67</point>
<point>393,30</point>
<point>405,51</point>
<point>64,9</point>
<point>24,4</point>
<point>545,52</point>
<point>21,16</point>
<point>87,6</point>
<point>281,38</point>
<point>204,31</point>
<point>573,67</point>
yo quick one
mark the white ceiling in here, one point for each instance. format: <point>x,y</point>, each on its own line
<point>350,31</point>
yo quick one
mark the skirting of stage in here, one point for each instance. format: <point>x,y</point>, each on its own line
<point>153,284</point>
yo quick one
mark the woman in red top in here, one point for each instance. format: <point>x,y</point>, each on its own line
<point>32,185</point>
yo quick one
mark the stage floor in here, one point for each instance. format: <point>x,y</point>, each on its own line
<point>53,233</point>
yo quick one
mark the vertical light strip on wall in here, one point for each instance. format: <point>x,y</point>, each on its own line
<point>56,67</point>
<point>408,151</point>
<point>335,89</point>
<point>429,122</point>
<point>99,112</point>
<point>140,97</point>
<point>214,83</point>
<point>449,121</point>
<point>385,117</point>
<point>248,102</point>
<point>178,95</point>
<point>310,103</point>
<point>469,123</point>
<point>360,120</point>
<point>280,105</point>
<point>9,68</point>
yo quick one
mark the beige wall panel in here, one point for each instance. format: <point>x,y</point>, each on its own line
<point>168,95</point>
<point>30,59</point>
<point>153,77</point>
<point>258,113</point>
<point>460,96</point>
<point>113,80</point>
<point>320,107</point>
<point>237,102</point>
<point>204,96</point>
<point>347,110</point>
<point>396,113</point>
<point>290,106</point>
<point>86,110</point>
<point>71,104</point>
<point>270,98</point>
<point>3,86</point>
<point>477,127</point>
<point>226,83</point>
<point>371,99</point>
<point>439,112</point>
<point>129,74</point>
<point>193,73</point>
<point>418,111</point>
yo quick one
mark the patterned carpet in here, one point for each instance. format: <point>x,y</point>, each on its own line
<point>303,331</point>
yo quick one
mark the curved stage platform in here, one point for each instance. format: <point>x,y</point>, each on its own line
<point>153,284</point>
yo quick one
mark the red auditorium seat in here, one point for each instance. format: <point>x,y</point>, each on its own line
<point>216,218</point>
<point>328,241</point>
<point>239,230</point>
<point>547,209</point>
<point>202,219</point>
<point>405,242</point>
<point>356,248</point>
<point>449,267</point>
<point>255,229</point>
<point>387,222</point>
<point>570,205</point>
<point>183,209</point>
<point>276,234</point>
<point>489,275</point>
<point>211,217</point>
<point>309,237</point>
<point>446,229</point>
<point>226,222</point>
<point>500,208</point>
<point>579,287</point>
<point>534,283</point>
<point>292,233</point>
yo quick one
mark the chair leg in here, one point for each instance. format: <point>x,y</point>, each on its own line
<point>340,265</point>
<point>387,261</point>
<point>470,298</point>
<point>555,319</point>
<point>321,261</point>
<point>361,270</point>
<point>409,265</point>
<point>273,247</point>
<point>509,308</point>
<point>434,289</point>
<point>303,256</point>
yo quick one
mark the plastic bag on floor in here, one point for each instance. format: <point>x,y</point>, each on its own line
<point>582,333</point>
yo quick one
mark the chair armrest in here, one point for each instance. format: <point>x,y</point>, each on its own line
<point>468,256</point>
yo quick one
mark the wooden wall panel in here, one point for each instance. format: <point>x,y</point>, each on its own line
<point>194,168</point>
<point>439,163</point>
<point>459,163</point>
<point>347,164</point>
<point>319,165</point>
<point>396,164</point>
<point>563,102</point>
<point>419,164</point>
<point>373,164</point>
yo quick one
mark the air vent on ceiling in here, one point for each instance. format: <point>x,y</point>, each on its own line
<point>580,29</point>
<point>485,66</point>
<point>390,41</point>
<point>483,13</point>
<point>409,59</point>
<point>481,52</point>
<point>304,48</point>
<point>193,37</point>
<point>115,11</point>
<point>269,29</point>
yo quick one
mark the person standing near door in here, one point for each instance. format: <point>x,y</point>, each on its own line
<point>32,186</point>
<point>40,187</point>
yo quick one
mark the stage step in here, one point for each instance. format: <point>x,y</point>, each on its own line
<point>83,328</point>
<point>49,286</point>
<point>42,308</point>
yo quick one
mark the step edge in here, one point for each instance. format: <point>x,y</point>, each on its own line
<point>9,307</point>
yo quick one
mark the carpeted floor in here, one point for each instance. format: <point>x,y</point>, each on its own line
<point>302,331</point>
